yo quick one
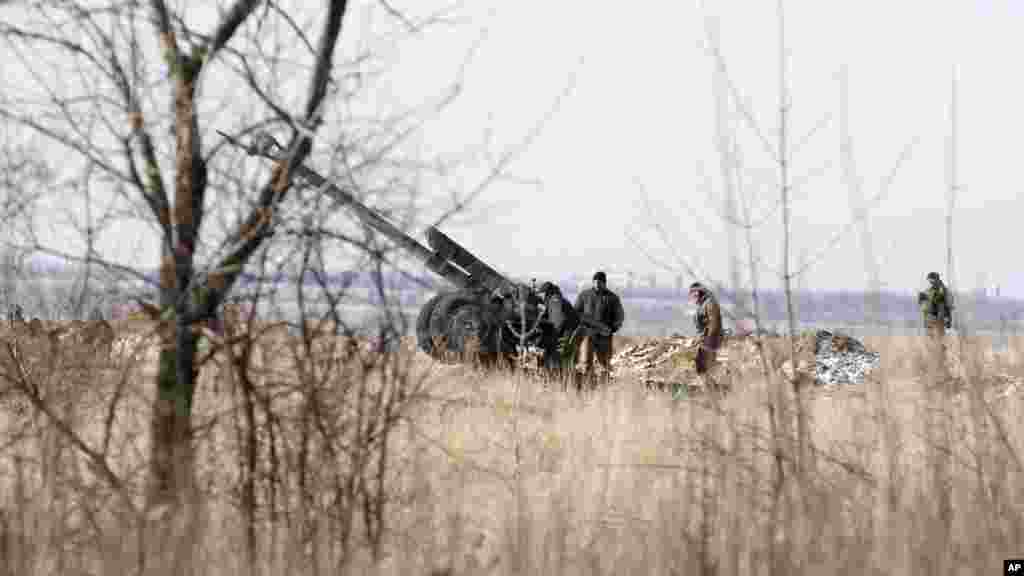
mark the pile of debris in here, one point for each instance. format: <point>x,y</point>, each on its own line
<point>669,362</point>
<point>652,354</point>
<point>840,359</point>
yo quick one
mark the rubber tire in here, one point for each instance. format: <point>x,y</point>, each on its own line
<point>445,310</point>
<point>441,315</point>
<point>423,334</point>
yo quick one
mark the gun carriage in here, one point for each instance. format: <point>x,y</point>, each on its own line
<point>482,312</point>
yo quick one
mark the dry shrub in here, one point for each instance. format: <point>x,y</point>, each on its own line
<point>625,482</point>
<point>494,473</point>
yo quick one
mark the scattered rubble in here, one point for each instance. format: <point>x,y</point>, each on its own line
<point>664,363</point>
<point>668,362</point>
<point>653,354</point>
<point>840,359</point>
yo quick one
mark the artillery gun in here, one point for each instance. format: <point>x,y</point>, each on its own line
<point>484,314</point>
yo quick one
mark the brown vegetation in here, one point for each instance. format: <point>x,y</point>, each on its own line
<point>498,474</point>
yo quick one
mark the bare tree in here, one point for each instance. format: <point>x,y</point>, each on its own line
<point>110,117</point>
<point>858,205</point>
<point>953,187</point>
<point>726,163</point>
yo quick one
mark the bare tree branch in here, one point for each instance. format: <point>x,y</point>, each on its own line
<point>167,39</point>
<point>31,391</point>
<point>234,18</point>
<point>741,105</point>
<point>881,195</point>
<point>821,123</point>
<point>258,224</point>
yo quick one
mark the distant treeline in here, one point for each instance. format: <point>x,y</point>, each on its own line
<point>898,307</point>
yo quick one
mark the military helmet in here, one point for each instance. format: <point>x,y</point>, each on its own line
<point>599,275</point>
<point>933,276</point>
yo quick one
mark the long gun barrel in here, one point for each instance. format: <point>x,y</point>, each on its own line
<point>480,273</point>
<point>434,261</point>
<point>485,299</point>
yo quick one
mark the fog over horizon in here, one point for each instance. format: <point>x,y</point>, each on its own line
<point>624,172</point>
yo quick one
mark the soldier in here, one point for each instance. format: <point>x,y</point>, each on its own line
<point>937,309</point>
<point>599,304</point>
<point>558,326</point>
<point>709,329</point>
<point>936,305</point>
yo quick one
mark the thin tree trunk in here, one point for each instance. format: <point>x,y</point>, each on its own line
<point>953,187</point>
<point>858,208</point>
<point>726,166</point>
<point>799,537</point>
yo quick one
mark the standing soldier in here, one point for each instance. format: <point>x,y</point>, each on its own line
<point>937,306</point>
<point>601,305</point>
<point>709,330</point>
<point>557,328</point>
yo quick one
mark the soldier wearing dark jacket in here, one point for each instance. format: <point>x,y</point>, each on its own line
<point>601,305</point>
<point>559,322</point>
<point>709,326</point>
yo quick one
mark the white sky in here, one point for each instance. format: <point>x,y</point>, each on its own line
<point>640,116</point>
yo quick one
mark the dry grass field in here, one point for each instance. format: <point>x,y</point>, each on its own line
<point>501,474</point>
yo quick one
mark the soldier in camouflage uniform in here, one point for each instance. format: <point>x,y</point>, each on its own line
<point>708,321</point>
<point>937,307</point>
<point>602,305</point>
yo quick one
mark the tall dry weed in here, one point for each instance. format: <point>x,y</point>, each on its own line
<point>497,474</point>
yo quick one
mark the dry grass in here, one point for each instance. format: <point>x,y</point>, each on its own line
<point>495,474</point>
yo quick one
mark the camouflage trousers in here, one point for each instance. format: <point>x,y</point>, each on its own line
<point>936,331</point>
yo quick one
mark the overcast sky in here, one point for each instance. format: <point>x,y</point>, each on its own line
<point>631,145</point>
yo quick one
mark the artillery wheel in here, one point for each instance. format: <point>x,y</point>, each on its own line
<point>423,333</point>
<point>457,317</point>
